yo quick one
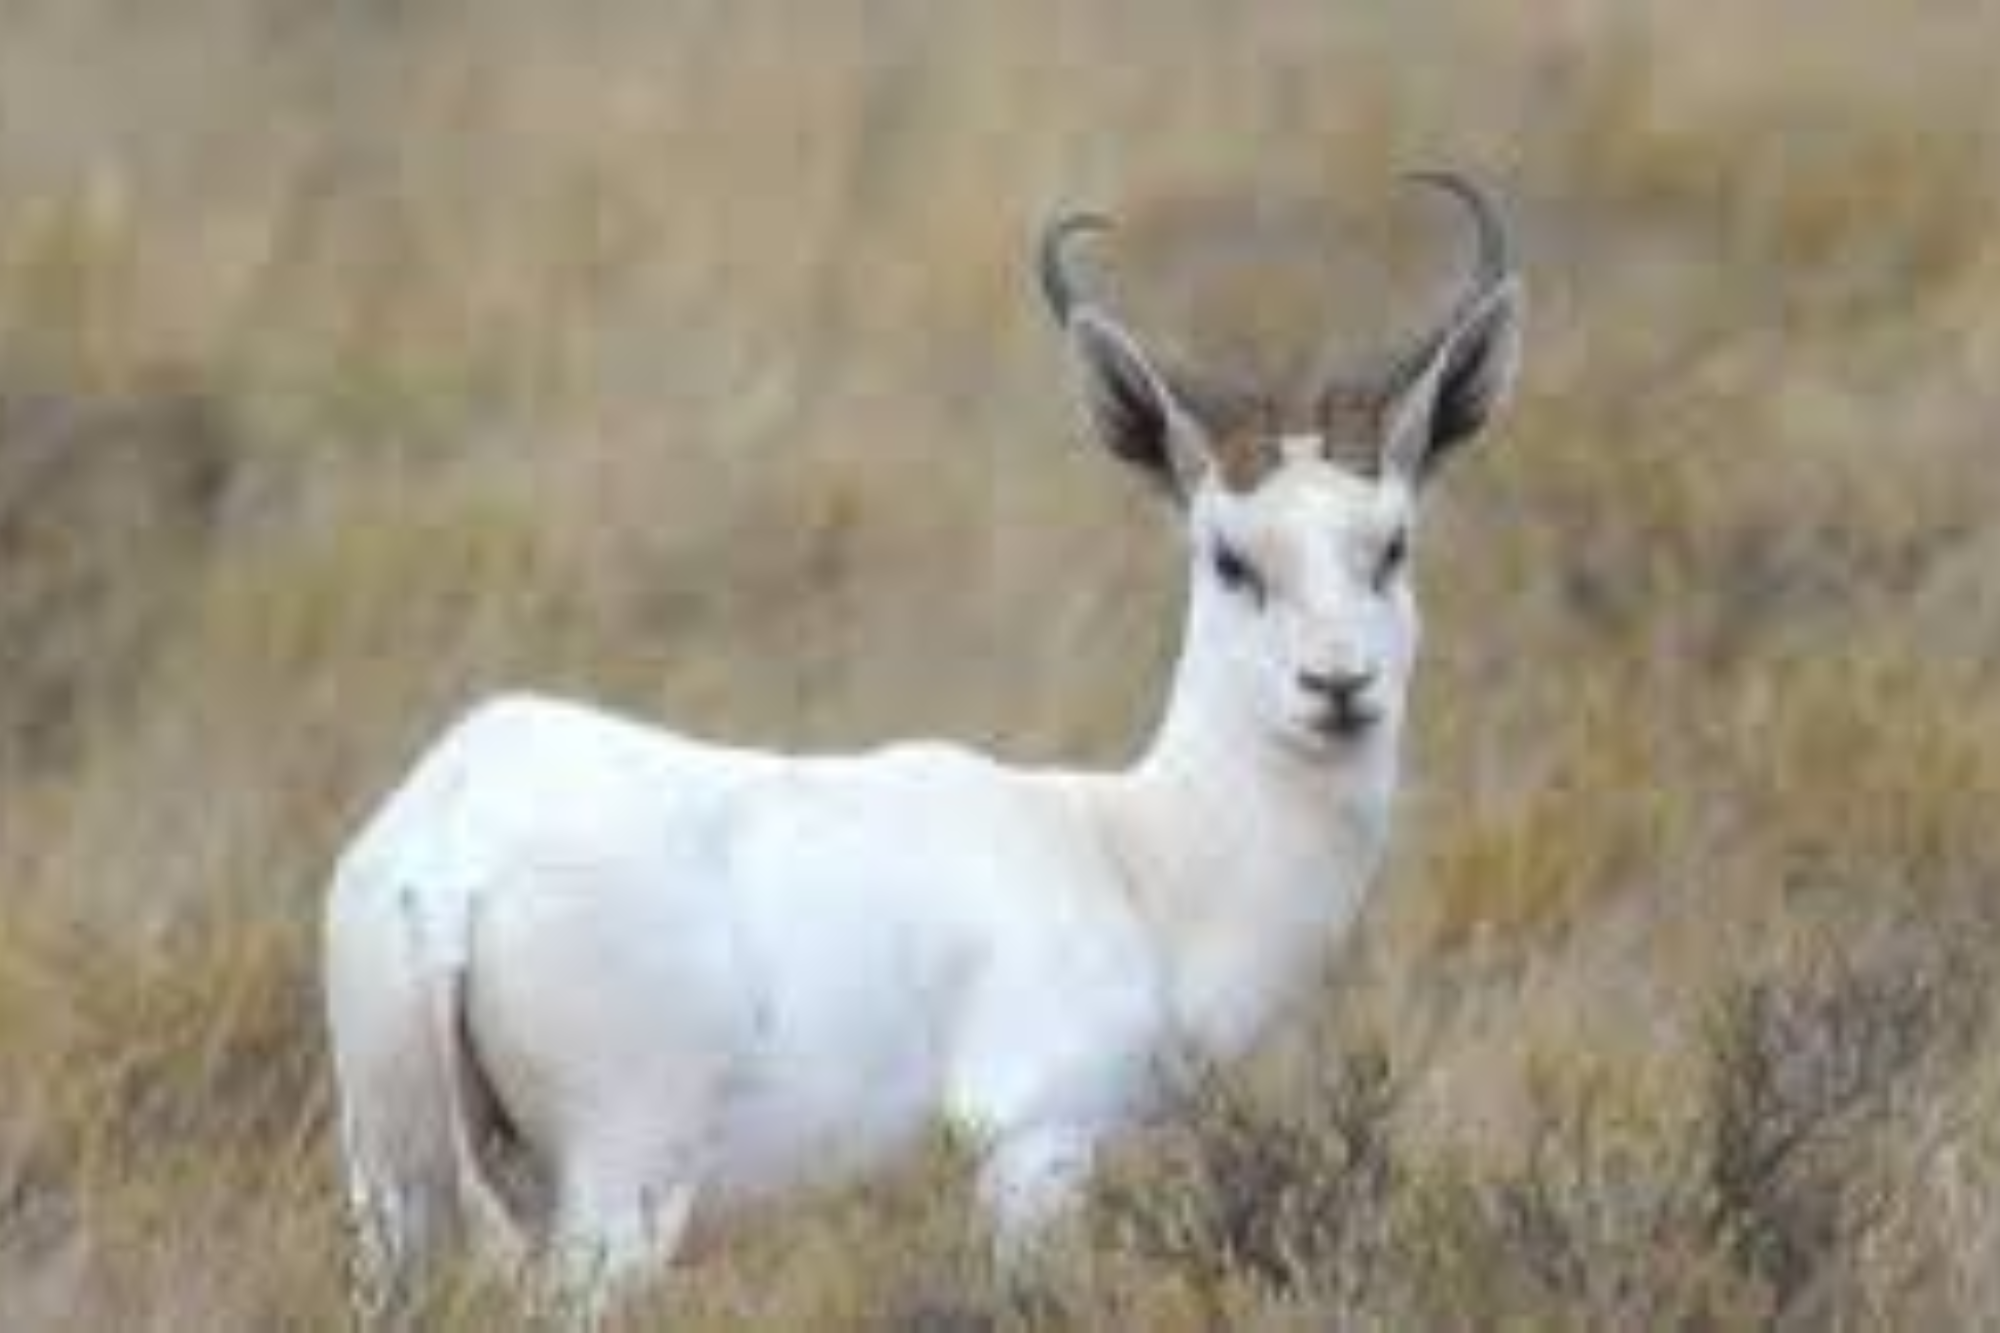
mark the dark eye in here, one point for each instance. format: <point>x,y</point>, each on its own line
<point>1237,574</point>
<point>1394,556</point>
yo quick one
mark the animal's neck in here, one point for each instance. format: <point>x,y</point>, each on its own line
<point>1248,856</point>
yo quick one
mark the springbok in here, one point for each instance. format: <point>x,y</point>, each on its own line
<point>596,983</point>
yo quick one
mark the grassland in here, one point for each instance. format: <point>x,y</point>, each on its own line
<point>358,359</point>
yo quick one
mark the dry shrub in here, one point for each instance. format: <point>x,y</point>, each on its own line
<point>1291,1197</point>
<point>1802,1077</point>
<point>167,1101</point>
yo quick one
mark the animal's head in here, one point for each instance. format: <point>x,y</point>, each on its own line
<point>1301,517</point>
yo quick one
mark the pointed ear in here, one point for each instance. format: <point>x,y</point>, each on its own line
<point>1457,391</point>
<point>1133,411</point>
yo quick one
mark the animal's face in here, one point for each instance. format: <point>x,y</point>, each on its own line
<point>1300,521</point>
<point>1302,596</point>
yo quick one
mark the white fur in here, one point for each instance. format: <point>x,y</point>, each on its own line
<point>689,977</point>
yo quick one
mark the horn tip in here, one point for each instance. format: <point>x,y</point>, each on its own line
<point>1057,286</point>
<point>1494,252</point>
<point>1455,183</point>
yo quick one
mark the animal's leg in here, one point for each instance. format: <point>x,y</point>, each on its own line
<point>383,1225</point>
<point>1031,1179</point>
<point>618,1220</point>
<point>398,1105</point>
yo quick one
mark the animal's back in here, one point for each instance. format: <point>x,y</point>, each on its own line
<point>525,778</point>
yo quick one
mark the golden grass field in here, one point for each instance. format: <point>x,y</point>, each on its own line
<point>358,359</point>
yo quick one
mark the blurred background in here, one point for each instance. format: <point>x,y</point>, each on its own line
<point>358,359</point>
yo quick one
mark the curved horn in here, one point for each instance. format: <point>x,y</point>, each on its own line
<point>1492,259</point>
<point>1059,286</point>
<point>1492,263</point>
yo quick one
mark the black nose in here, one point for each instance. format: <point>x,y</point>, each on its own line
<point>1336,687</point>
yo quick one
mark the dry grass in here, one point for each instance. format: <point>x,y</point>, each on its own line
<point>356,359</point>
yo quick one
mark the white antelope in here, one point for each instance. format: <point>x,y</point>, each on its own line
<point>599,984</point>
